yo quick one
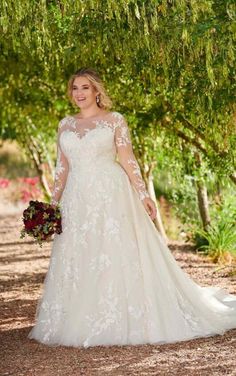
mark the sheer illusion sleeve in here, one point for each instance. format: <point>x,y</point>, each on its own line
<point>61,172</point>
<point>126,157</point>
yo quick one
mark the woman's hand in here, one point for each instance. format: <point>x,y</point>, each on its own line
<point>53,205</point>
<point>150,207</point>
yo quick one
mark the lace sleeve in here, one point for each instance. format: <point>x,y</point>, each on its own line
<point>61,171</point>
<point>126,156</point>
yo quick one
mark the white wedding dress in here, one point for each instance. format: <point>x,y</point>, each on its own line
<point>112,280</point>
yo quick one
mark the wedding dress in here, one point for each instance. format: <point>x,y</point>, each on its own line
<point>111,279</point>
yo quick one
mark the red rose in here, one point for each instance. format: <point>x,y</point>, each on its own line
<point>39,220</point>
<point>29,224</point>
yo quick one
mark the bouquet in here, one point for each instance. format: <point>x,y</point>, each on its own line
<point>41,220</point>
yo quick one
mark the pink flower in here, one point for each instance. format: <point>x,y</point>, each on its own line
<point>25,195</point>
<point>4,183</point>
<point>31,181</point>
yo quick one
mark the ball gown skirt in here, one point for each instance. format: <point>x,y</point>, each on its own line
<point>112,279</point>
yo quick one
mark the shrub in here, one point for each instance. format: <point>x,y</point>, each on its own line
<point>219,241</point>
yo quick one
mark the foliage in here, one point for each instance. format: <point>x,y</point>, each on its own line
<point>174,59</point>
<point>13,161</point>
<point>219,241</point>
<point>169,66</point>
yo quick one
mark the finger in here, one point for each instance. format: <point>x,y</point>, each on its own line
<point>152,208</point>
<point>151,212</point>
<point>154,213</point>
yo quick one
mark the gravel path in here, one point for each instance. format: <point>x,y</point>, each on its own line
<point>22,275</point>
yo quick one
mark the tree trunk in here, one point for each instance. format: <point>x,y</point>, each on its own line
<point>36,157</point>
<point>203,204</point>
<point>233,177</point>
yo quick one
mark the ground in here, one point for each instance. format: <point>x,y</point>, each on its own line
<point>23,272</point>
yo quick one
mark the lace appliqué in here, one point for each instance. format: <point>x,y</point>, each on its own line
<point>187,313</point>
<point>140,185</point>
<point>108,314</point>
<point>100,263</point>
<point>126,155</point>
<point>117,124</point>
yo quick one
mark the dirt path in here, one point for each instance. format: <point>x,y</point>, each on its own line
<point>23,272</point>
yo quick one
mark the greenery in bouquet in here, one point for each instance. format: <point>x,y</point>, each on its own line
<point>41,220</point>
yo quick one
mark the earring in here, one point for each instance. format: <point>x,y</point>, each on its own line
<point>97,99</point>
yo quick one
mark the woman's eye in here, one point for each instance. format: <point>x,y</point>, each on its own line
<point>83,88</point>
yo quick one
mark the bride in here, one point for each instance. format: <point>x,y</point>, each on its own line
<point>111,279</point>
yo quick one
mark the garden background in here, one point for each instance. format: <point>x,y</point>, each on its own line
<point>169,67</point>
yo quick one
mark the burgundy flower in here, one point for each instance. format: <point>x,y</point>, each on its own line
<point>41,221</point>
<point>29,224</point>
<point>50,212</point>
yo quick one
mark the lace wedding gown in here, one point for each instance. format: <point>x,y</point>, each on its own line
<point>111,278</point>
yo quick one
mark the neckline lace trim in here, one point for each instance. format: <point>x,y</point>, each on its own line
<point>91,117</point>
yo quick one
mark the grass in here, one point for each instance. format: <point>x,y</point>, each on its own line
<point>219,242</point>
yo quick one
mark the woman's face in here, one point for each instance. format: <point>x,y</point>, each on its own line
<point>83,93</point>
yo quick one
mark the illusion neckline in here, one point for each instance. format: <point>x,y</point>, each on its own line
<point>91,117</point>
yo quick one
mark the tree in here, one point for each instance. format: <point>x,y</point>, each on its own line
<point>169,65</point>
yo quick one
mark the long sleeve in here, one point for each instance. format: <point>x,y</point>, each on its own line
<point>126,156</point>
<point>61,172</point>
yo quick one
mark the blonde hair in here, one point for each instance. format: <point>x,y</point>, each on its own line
<point>104,100</point>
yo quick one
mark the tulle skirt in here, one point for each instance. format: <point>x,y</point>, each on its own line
<point>112,279</point>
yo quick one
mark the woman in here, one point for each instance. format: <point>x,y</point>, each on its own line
<point>111,279</point>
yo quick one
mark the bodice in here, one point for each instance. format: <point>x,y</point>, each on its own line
<point>95,147</point>
<point>89,147</point>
